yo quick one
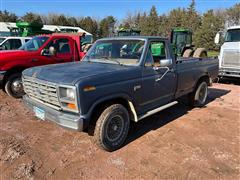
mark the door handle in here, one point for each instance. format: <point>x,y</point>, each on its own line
<point>34,60</point>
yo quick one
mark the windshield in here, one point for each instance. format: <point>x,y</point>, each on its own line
<point>233,35</point>
<point>124,52</point>
<point>2,39</point>
<point>182,38</point>
<point>34,44</point>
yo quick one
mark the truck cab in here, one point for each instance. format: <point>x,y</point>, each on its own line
<point>229,58</point>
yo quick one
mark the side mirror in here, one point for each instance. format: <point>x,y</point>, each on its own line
<point>217,38</point>
<point>165,62</point>
<point>52,51</point>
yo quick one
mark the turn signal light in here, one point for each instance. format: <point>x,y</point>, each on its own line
<point>71,106</point>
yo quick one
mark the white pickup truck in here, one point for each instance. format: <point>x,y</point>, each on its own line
<point>12,42</point>
<point>229,58</point>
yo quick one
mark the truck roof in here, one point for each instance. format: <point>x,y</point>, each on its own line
<point>234,27</point>
<point>135,37</point>
<point>15,37</point>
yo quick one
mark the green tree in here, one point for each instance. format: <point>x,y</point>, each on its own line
<point>72,21</point>
<point>6,16</point>
<point>211,23</point>
<point>143,24</point>
<point>106,26</point>
<point>32,18</point>
<point>90,25</point>
<point>193,19</point>
<point>233,15</point>
<point>152,22</point>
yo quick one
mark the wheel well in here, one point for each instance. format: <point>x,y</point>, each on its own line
<point>204,78</point>
<point>12,71</point>
<point>99,108</point>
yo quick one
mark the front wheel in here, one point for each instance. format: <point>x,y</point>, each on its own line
<point>199,96</point>
<point>112,127</point>
<point>13,86</point>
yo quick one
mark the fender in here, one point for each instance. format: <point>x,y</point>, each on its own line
<point>14,65</point>
<point>123,96</point>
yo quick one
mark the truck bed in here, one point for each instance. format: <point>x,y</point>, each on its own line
<point>190,69</point>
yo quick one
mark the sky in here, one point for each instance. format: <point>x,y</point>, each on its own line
<point>102,8</point>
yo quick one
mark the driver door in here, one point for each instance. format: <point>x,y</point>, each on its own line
<point>158,83</point>
<point>63,52</point>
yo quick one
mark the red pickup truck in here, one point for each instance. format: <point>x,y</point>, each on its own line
<point>41,50</point>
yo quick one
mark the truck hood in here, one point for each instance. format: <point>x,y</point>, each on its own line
<point>71,73</point>
<point>231,45</point>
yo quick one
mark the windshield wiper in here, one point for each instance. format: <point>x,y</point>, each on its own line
<point>110,59</point>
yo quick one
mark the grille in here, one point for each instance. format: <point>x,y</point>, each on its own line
<point>231,58</point>
<point>42,91</point>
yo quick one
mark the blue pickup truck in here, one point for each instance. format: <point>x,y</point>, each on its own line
<point>120,79</point>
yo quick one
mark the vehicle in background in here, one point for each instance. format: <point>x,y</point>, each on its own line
<point>10,43</point>
<point>25,29</point>
<point>229,58</point>
<point>40,50</point>
<point>120,79</point>
<point>181,40</point>
<point>128,32</point>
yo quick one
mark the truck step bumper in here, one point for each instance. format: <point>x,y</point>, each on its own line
<point>63,119</point>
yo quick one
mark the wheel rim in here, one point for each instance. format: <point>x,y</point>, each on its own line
<point>203,55</point>
<point>114,128</point>
<point>17,87</point>
<point>202,93</point>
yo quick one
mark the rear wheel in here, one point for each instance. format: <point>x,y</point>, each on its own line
<point>13,86</point>
<point>199,96</point>
<point>188,53</point>
<point>200,53</point>
<point>112,127</point>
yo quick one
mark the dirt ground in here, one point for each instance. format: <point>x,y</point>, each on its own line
<point>177,143</point>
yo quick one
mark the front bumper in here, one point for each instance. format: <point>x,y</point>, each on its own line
<point>2,74</point>
<point>64,119</point>
<point>229,72</point>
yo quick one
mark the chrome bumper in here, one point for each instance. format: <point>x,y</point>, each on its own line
<point>229,72</point>
<point>68,120</point>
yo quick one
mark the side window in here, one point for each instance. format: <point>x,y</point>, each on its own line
<point>26,40</point>
<point>158,51</point>
<point>61,46</point>
<point>64,46</point>
<point>15,43</point>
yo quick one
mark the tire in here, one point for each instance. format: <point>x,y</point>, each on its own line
<point>188,53</point>
<point>200,53</point>
<point>13,85</point>
<point>112,127</point>
<point>199,96</point>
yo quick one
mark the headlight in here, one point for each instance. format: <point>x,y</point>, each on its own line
<point>67,98</point>
<point>70,94</point>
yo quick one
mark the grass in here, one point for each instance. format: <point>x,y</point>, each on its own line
<point>213,53</point>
